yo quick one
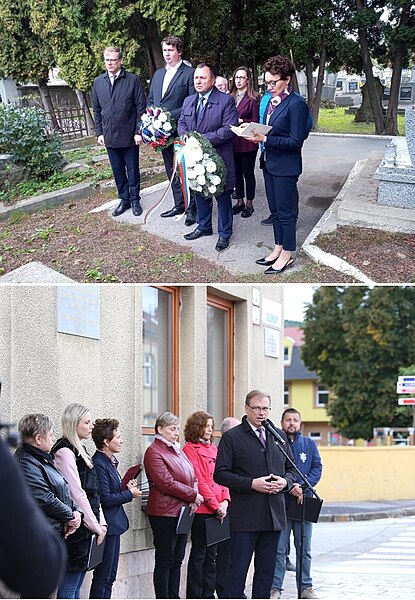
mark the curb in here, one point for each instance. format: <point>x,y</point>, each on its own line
<point>331,260</point>
<point>367,516</point>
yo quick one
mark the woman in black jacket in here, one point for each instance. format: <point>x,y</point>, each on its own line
<point>48,486</point>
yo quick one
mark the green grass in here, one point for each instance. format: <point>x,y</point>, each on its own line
<point>336,120</point>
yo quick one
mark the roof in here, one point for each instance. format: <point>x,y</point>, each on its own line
<point>296,334</point>
<point>297,369</point>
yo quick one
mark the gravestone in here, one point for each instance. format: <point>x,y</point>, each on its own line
<point>364,113</point>
<point>396,173</point>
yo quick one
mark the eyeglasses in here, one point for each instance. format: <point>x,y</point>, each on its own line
<point>272,83</point>
<point>258,409</point>
<point>241,77</point>
<point>111,59</point>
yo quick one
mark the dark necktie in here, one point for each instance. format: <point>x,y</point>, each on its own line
<point>199,111</point>
<point>261,436</point>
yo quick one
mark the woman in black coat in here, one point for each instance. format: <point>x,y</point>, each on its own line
<point>47,484</point>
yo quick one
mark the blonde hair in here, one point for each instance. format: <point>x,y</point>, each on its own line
<point>70,419</point>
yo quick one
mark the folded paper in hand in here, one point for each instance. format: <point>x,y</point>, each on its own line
<point>184,524</point>
<point>312,509</point>
<point>132,473</point>
<point>95,553</point>
<point>248,130</point>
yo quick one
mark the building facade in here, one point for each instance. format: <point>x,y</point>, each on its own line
<point>131,352</point>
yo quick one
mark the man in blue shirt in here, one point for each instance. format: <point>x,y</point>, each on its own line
<point>307,459</point>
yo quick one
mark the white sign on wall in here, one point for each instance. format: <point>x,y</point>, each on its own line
<point>271,342</point>
<point>78,310</point>
<point>271,313</point>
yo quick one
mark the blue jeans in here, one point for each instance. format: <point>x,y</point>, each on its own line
<point>279,572</point>
<point>70,587</point>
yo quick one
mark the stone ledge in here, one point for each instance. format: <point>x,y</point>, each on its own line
<point>35,272</point>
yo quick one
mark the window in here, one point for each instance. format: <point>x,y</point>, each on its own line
<point>160,353</point>
<point>286,395</point>
<point>286,354</point>
<point>322,396</point>
<point>220,349</point>
<point>314,435</point>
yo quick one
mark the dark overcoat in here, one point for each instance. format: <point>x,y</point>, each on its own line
<point>180,87</point>
<point>118,108</point>
<point>219,113</point>
<point>242,458</point>
<point>111,495</point>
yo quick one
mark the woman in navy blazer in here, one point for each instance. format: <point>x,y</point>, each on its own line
<point>247,105</point>
<point>288,115</point>
<point>107,439</point>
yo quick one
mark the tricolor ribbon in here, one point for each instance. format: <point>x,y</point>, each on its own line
<point>179,164</point>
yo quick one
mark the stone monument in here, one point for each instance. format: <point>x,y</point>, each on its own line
<point>396,173</point>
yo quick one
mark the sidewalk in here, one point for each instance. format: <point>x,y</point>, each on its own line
<point>363,511</point>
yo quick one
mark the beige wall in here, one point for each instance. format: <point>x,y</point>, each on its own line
<point>43,370</point>
<point>364,474</point>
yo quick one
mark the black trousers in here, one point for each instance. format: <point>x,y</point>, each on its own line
<point>169,554</point>
<point>124,165</point>
<point>243,546</point>
<point>201,568</point>
<point>245,169</point>
<point>106,572</point>
<point>223,556</point>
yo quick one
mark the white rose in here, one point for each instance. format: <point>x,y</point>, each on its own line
<point>192,143</point>
<point>167,127</point>
<point>215,179</point>
<point>199,169</point>
<point>196,188</point>
<point>201,179</point>
<point>198,154</point>
<point>212,189</point>
<point>162,117</point>
<point>156,124</point>
<point>210,166</point>
<point>190,161</point>
<point>190,174</point>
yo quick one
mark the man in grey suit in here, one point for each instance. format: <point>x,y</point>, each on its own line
<point>169,87</point>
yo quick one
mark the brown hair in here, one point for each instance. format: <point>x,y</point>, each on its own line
<point>173,40</point>
<point>113,49</point>
<point>196,425</point>
<point>254,394</point>
<point>280,65</point>
<point>32,425</point>
<point>250,92</point>
<point>103,430</point>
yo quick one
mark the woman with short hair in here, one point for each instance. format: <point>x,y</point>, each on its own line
<point>172,485</point>
<point>72,459</point>
<point>108,441</point>
<point>48,486</point>
<point>202,452</point>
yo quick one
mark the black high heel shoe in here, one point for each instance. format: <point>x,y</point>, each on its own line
<point>271,271</point>
<point>266,263</point>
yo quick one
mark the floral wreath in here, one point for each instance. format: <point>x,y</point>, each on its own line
<point>199,165</point>
<point>157,126</point>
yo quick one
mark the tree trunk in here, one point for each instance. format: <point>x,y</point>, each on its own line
<point>155,53</point>
<point>310,82</point>
<point>391,121</point>
<point>375,101</point>
<point>315,103</point>
<point>82,100</point>
<point>47,103</point>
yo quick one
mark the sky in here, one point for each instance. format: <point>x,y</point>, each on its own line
<point>295,295</point>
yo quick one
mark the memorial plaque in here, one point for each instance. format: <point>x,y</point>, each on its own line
<point>405,93</point>
<point>78,310</point>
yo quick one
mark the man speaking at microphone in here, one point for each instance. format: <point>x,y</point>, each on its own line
<point>257,474</point>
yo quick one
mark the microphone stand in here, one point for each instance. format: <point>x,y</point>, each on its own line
<point>307,485</point>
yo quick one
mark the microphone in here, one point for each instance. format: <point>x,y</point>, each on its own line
<point>270,428</point>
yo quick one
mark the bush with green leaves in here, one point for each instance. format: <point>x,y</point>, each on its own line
<point>23,135</point>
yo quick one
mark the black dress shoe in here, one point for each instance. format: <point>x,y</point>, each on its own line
<point>136,208</point>
<point>266,263</point>
<point>222,244</point>
<point>237,208</point>
<point>173,212</point>
<point>195,234</point>
<point>190,219</point>
<point>271,271</point>
<point>121,208</point>
<point>267,221</point>
<point>248,211</point>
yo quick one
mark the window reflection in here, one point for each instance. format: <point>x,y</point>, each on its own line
<point>217,363</point>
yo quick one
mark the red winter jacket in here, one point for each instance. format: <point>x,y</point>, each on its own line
<point>203,459</point>
<point>172,480</point>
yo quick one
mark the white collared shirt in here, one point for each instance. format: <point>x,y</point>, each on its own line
<point>113,77</point>
<point>170,73</point>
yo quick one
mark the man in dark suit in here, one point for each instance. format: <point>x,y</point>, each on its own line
<point>210,112</point>
<point>118,101</point>
<point>255,470</point>
<point>169,87</point>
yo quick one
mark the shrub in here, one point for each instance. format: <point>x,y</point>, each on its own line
<point>23,135</point>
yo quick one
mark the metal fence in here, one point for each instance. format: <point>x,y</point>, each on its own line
<point>71,123</point>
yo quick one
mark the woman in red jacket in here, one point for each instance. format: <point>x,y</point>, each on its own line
<point>200,450</point>
<point>172,485</point>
